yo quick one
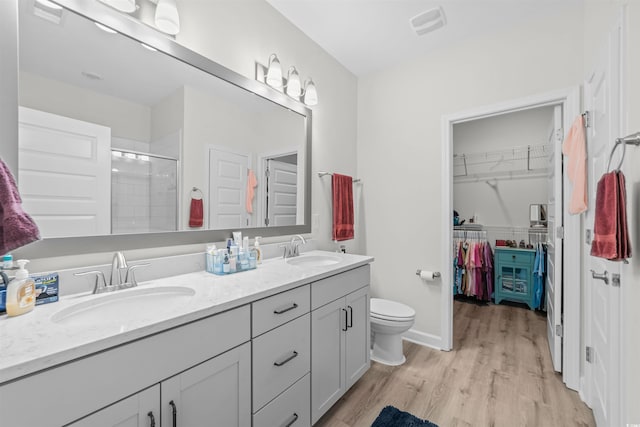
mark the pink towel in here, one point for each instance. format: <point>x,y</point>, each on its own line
<point>251,184</point>
<point>574,146</point>
<point>611,236</point>
<point>16,227</point>
<point>342,187</point>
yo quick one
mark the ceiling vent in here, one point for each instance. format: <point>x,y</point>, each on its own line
<point>428,21</point>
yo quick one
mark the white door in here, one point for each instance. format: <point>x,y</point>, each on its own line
<point>227,189</point>
<point>214,393</point>
<point>602,96</point>
<point>282,193</point>
<point>64,174</point>
<point>357,347</point>
<point>140,410</point>
<point>553,292</point>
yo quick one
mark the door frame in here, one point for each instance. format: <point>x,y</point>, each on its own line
<point>569,99</point>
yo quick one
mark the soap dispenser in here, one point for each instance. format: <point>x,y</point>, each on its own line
<point>21,292</point>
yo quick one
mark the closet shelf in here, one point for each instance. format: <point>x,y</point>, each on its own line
<point>515,162</point>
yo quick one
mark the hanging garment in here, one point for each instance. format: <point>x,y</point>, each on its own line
<point>343,216</point>
<point>611,236</point>
<point>488,269</point>
<point>252,182</point>
<point>574,146</point>
<point>17,228</point>
<point>538,276</point>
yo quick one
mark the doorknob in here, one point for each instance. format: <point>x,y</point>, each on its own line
<point>604,276</point>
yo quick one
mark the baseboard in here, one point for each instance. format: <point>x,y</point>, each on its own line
<point>424,339</point>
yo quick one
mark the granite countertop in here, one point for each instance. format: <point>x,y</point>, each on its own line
<point>33,342</point>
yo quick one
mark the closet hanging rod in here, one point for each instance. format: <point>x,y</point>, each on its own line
<point>633,139</point>
<point>321,174</point>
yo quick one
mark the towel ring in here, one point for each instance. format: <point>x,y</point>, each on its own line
<point>197,190</point>
<point>613,150</point>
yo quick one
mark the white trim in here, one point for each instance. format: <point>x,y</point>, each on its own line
<point>569,98</point>
<point>423,338</point>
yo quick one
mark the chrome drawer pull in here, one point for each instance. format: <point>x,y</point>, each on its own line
<point>288,359</point>
<point>284,310</point>
<point>294,418</point>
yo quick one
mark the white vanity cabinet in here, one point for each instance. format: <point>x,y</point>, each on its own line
<point>205,356</point>
<point>282,359</point>
<point>340,334</point>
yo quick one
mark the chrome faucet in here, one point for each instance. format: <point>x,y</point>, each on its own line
<point>292,249</point>
<point>122,276</point>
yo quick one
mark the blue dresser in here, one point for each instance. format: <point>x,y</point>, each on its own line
<point>513,273</point>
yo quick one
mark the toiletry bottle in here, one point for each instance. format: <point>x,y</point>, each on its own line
<point>256,247</point>
<point>218,261</point>
<point>7,262</point>
<point>226,265</point>
<point>233,258</point>
<point>21,292</point>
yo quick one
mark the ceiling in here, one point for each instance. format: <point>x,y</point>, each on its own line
<point>370,35</point>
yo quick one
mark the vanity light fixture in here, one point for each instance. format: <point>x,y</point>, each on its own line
<point>274,72</point>
<point>294,87</point>
<point>126,6</point>
<point>310,96</point>
<point>167,19</point>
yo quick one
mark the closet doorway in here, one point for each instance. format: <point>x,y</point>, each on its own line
<point>505,182</point>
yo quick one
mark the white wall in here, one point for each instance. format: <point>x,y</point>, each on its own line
<point>504,201</point>
<point>399,142</point>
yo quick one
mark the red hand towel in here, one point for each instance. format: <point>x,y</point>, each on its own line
<point>342,187</point>
<point>17,228</point>
<point>611,237</point>
<point>196,213</point>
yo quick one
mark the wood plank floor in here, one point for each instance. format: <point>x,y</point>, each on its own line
<point>499,374</point>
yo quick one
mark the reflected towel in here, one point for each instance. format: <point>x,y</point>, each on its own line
<point>16,227</point>
<point>611,236</point>
<point>574,146</point>
<point>251,184</point>
<point>342,188</point>
<point>196,213</point>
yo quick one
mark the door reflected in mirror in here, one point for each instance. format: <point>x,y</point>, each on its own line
<point>113,138</point>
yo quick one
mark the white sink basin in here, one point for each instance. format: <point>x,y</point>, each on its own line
<point>117,308</point>
<point>313,260</point>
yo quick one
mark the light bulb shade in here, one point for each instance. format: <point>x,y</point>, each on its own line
<point>310,93</point>
<point>167,19</point>
<point>274,72</point>
<point>294,86</point>
<point>126,6</point>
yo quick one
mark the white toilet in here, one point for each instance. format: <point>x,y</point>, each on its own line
<point>389,320</point>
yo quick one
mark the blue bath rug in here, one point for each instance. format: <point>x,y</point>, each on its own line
<point>393,417</point>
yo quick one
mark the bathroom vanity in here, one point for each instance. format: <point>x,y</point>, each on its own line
<point>274,346</point>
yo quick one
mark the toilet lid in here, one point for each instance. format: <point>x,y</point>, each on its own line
<point>386,309</point>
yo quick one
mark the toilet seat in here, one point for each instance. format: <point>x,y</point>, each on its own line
<point>390,310</point>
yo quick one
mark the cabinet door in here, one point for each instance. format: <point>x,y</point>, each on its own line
<point>358,335</point>
<point>214,393</point>
<point>140,410</point>
<point>328,326</point>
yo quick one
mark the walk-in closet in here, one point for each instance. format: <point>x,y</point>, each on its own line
<point>503,197</point>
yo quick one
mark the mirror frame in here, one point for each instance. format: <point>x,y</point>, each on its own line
<point>139,31</point>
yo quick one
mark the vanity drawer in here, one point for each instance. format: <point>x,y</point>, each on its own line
<point>330,289</point>
<point>291,408</point>
<point>277,310</point>
<point>280,358</point>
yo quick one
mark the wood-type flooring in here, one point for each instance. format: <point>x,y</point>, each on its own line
<point>498,374</point>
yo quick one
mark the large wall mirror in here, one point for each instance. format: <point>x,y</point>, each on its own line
<point>122,133</point>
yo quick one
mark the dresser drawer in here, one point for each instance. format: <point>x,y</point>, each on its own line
<point>274,311</point>
<point>291,408</point>
<point>280,358</point>
<point>525,257</point>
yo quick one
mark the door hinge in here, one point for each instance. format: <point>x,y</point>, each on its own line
<point>586,118</point>
<point>589,354</point>
<point>559,135</point>
<point>266,172</point>
<point>559,330</point>
<point>560,232</point>
<point>587,236</point>
<point>266,221</point>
